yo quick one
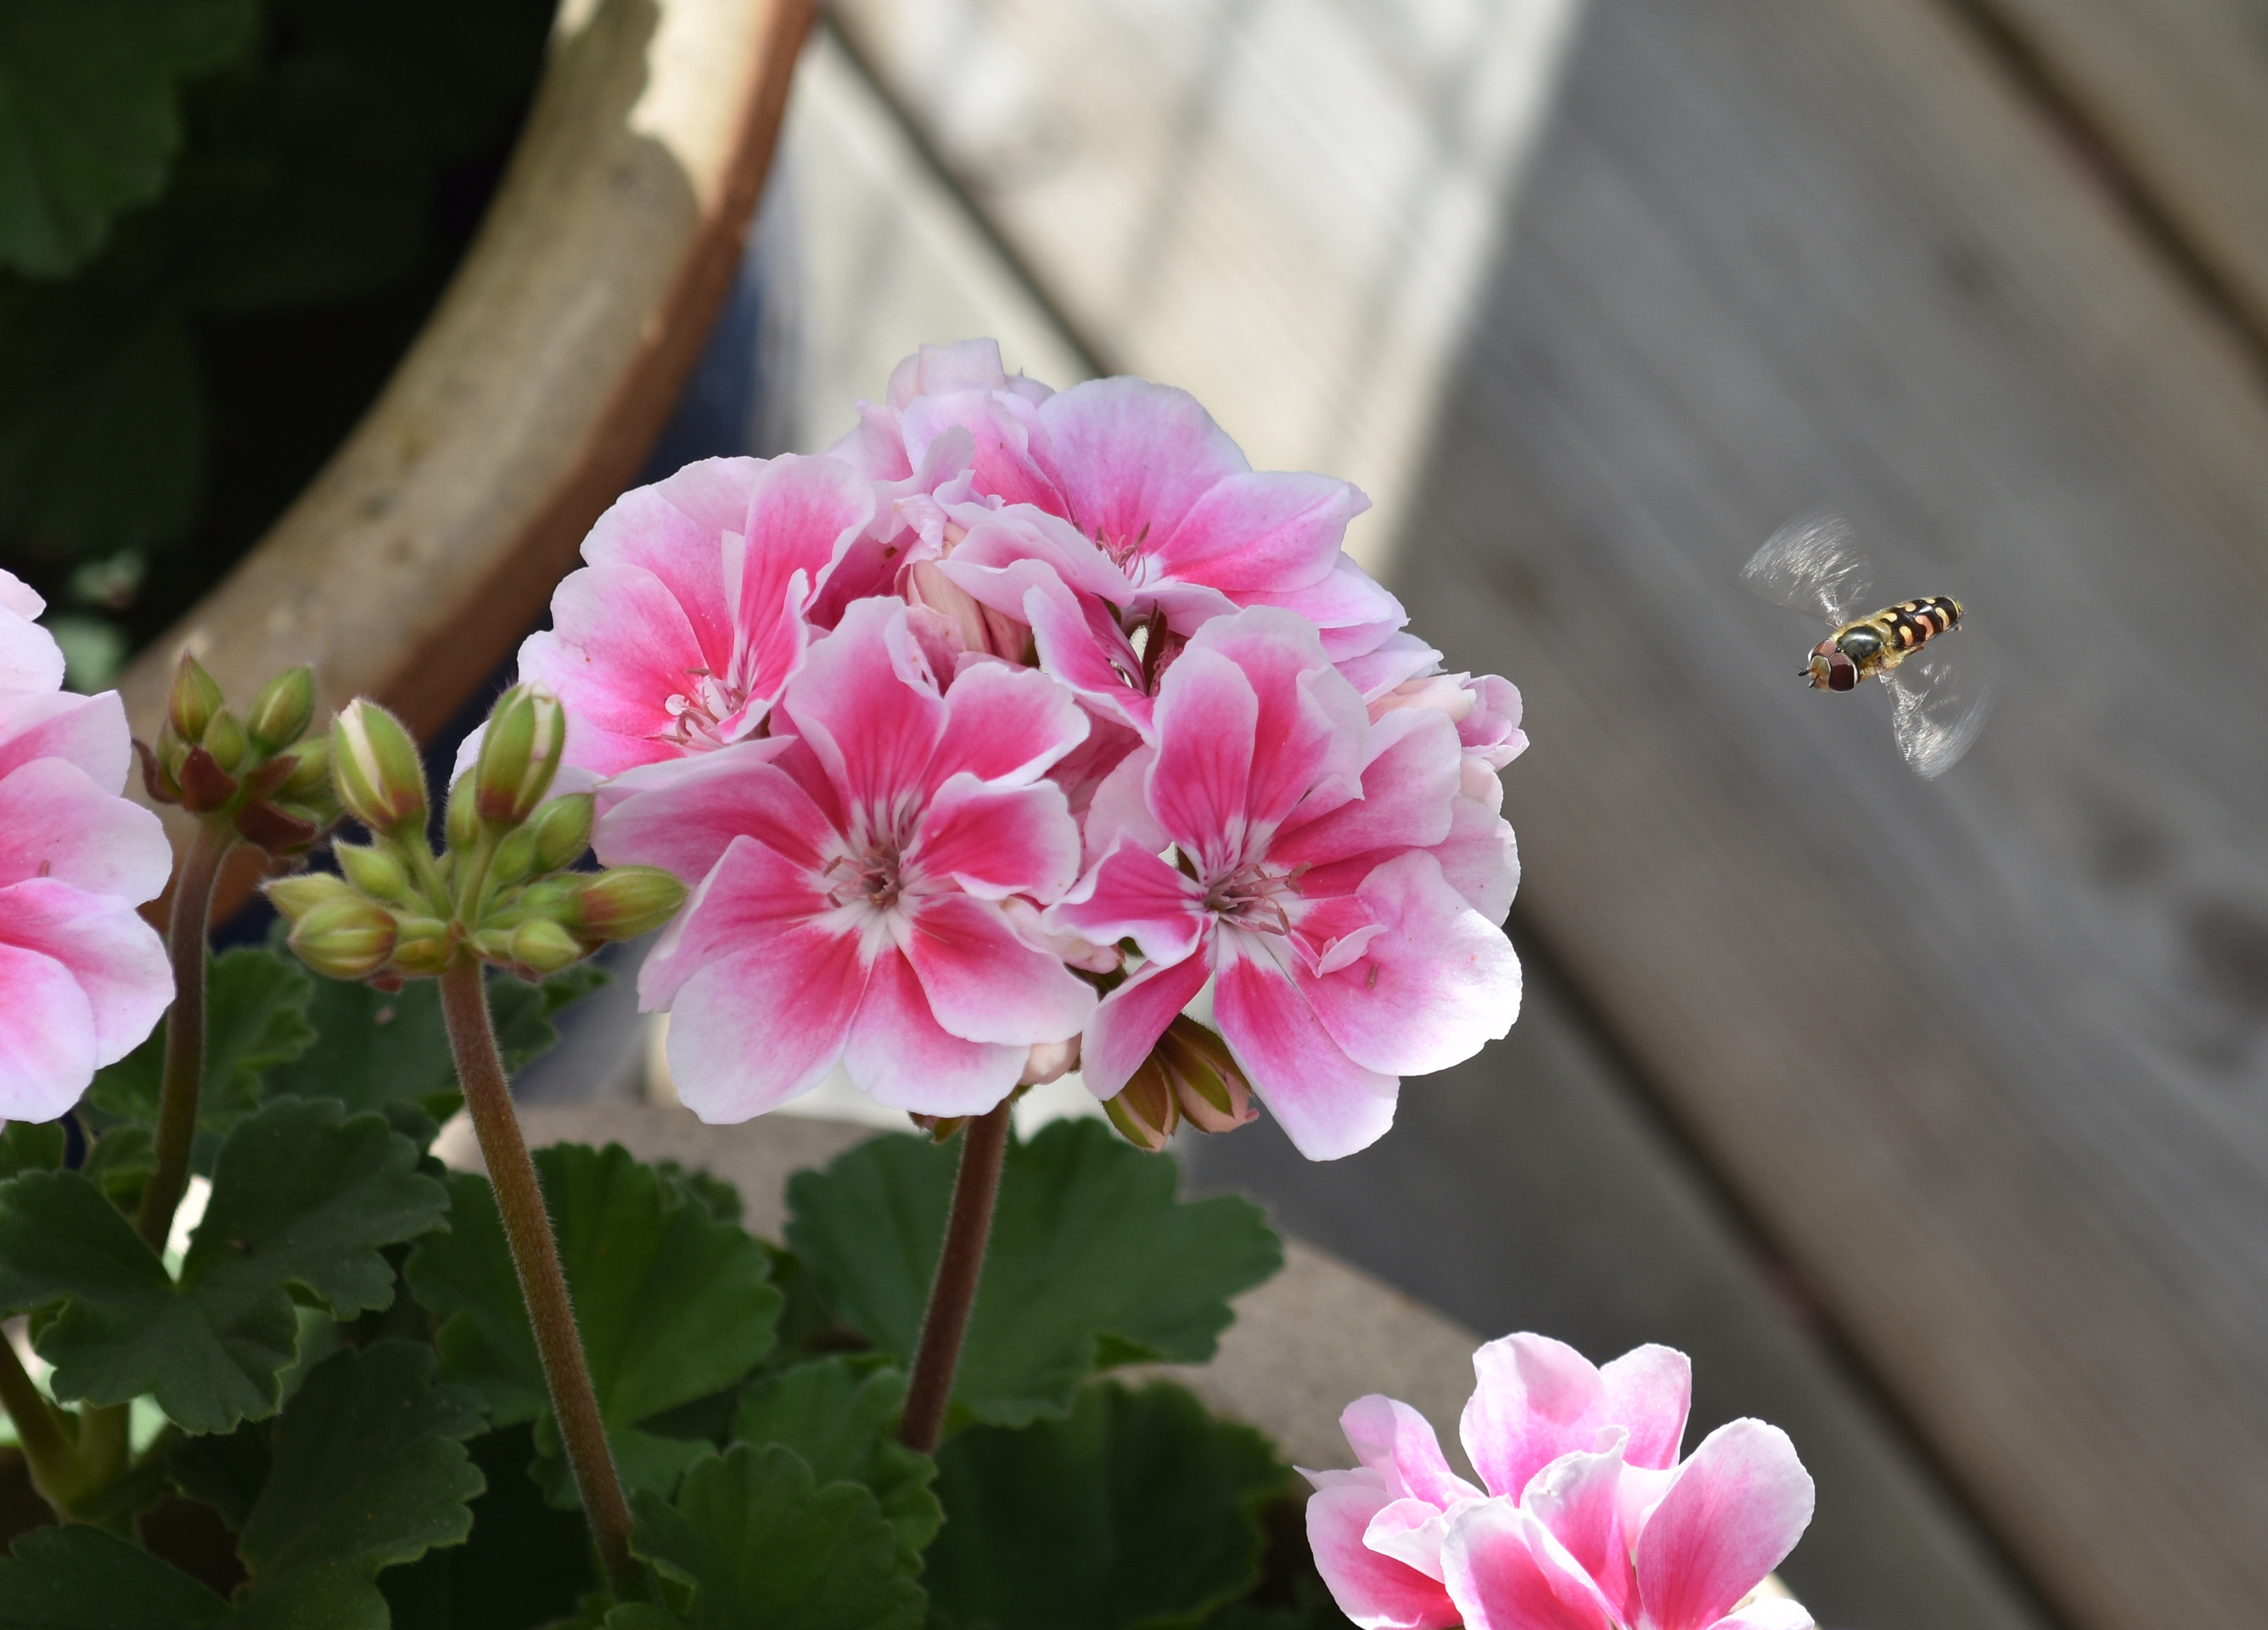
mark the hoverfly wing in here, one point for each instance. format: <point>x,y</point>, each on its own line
<point>1938,701</point>
<point>1813,564</point>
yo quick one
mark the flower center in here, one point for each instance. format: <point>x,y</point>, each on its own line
<point>871,878</point>
<point>1253,896</point>
<point>700,709</point>
<point>1123,551</point>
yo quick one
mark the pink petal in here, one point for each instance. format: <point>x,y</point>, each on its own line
<point>1397,658</point>
<point>1000,460</point>
<point>1130,1018</point>
<point>1737,1507</point>
<point>1534,1399</point>
<point>30,659</point>
<point>1355,614</point>
<point>751,895</point>
<point>995,841</point>
<point>1375,1591</point>
<point>1770,1613</point>
<point>803,514</point>
<point>47,1034</point>
<point>19,597</point>
<point>1134,895</point>
<point>899,1054</point>
<point>1440,983</point>
<point>984,983</point>
<point>1480,857</point>
<point>1409,784</point>
<point>868,705</point>
<point>1577,1497</point>
<point>1260,532</point>
<point>1649,1391</point>
<point>1207,719</point>
<point>1328,1105</point>
<point>1506,1572</point>
<point>1127,455</point>
<point>674,530</point>
<point>622,645</point>
<point>115,957</point>
<point>88,731</point>
<point>682,817</point>
<point>1310,726</point>
<point>1005,724</point>
<point>1120,809</point>
<point>55,822</point>
<point>1079,643</point>
<point>750,1031</point>
<point>1395,1440</point>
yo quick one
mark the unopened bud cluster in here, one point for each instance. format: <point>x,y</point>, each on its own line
<point>1188,1076</point>
<point>253,772</point>
<point>500,890</point>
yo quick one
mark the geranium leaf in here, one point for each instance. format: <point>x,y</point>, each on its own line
<point>81,1578</point>
<point>368,1468</point>
<point>1137,1510</point>
<point>839,1415</point>
<point>30,1146</point>
<point>523,1012</point>
<point>255,1020</point>
<point>527,1563</point>
<point>88,120</point>
<point>753,1539</point>
<point>301,1199</point>
<point>673,1304</point>
<point>1092,1261</point>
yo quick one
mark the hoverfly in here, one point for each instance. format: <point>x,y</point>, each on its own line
<point>1938,701</point>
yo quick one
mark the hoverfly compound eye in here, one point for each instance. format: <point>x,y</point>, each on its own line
<point>1842,673</point>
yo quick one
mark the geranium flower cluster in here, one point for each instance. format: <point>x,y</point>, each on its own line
<point>82,978</point>
<point>990,740</point>
<point>1588,1519</point>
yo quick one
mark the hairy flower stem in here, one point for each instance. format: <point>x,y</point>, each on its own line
<point>542,1283</point>
<point>185,1031</point>
<point>967,1227</point>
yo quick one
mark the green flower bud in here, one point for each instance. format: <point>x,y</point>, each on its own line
<point>623,902</point>
<point>345,939</point>
<point>282,709</point>
<point>294,896</point>
<point>1208,1088</point>
<point>195,698</point>
<point>514,861</point>
<point>520,754</point>
<point>545,946</point>
<point>309,782</point>
<point>562,830</point>
<point>422,945</point>
<point>464,820</point>
<point>225,739</point>
<point>374,870</point>
<point>1145,1111</point>
<point>375,766</point>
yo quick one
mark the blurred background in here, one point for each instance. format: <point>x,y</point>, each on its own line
<point>1931,1118</point>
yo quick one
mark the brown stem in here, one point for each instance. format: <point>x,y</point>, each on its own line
<point>185,1031</point>
<point>542,1283</point>
<point>968,1226</point>
<point>54,1463</point>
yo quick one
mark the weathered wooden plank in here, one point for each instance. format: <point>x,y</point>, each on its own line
<point>2178,90</point>
<point>1980,1054</point>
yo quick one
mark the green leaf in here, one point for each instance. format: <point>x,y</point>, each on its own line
<point>673,1305</point>
<point>840,1417</point>
<point>81,1578</point>
<point>527,1563</point>
<point>89,123</point>
<point>523,1012</point>
<point>1092,1262</point>
<point>369,1469</point>
<point>30,1146</point>
<point>721,1199</point>
<point>224,1470</point>
<point>1139,1509</point>
<point>751,1539</point>
<point>301,1199</point>
<point>255,1019</point>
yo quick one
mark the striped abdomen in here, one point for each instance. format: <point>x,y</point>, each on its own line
<point>1875,644</point>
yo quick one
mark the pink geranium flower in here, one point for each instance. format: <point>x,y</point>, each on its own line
<point>1588,1520</point>
<point>858,876</point>
<point>1304,882</point>
<point>82,978</point>
<point>690,617</point>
